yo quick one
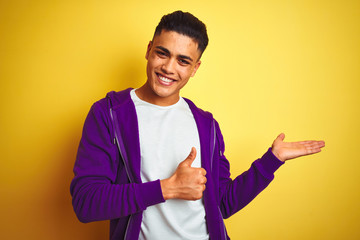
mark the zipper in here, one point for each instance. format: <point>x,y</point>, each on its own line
<point>223,224</point>
<point>127,228</point>
<point>213,133</point>
<point>120,145</point>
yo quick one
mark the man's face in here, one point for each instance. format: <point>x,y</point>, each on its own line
<point>172,59</point>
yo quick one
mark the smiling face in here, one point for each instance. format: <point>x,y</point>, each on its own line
<point>172,59</point>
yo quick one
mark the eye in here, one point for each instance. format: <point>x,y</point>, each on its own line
<point>183,62</point>
<point>161,53</point>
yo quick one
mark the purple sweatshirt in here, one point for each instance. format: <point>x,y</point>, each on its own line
<point>107,183</point>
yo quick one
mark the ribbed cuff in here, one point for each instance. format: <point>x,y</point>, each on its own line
<point>269,163</point>
<point>150,193</point>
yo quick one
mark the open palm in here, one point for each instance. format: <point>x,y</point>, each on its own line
<point>289,150</point>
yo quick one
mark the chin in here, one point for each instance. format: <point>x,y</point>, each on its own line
<point>164,94</point>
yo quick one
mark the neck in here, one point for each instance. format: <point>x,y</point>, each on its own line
<point>146,94</point>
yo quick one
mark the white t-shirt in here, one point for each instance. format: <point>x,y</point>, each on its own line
<point>167,135</point>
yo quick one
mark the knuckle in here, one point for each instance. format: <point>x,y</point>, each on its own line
<point>198,196</point>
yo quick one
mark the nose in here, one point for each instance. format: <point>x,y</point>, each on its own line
<point>168,66</point>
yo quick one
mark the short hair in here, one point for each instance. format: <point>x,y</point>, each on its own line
<point>187,24</point>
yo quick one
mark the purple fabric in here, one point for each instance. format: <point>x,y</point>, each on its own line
<point>107,183</point>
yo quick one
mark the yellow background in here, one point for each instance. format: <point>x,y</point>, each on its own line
<point>270,67</point>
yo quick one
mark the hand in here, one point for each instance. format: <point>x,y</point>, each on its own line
<point>289,150</point>
<point>186,183</point>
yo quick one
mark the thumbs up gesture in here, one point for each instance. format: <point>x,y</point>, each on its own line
<point>187,182</point>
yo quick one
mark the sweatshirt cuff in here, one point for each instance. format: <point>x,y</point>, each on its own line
<point>269,163</point>
<point>150,193</point>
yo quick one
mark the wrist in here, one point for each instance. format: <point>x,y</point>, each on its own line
<point>166,189</point>
<point>276,154</point>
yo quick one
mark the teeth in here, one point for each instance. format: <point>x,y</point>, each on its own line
<point>165,79</point>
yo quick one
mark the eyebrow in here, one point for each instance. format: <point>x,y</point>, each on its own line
<point>168,52</point>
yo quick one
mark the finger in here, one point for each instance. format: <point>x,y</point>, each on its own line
<point>322,143</point>
<point>312,151</point>
<point>281,136</point>
<point>305,142</point>
<point>202,171</point>
<point>190,158</point>
<point>315,147</point>
<point>204,180</point>
<point>314,144</point>
<point>311,142</point>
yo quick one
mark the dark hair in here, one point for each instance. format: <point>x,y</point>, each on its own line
<point>187,24</point>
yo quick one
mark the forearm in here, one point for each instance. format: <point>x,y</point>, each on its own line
<point>245,187</point>
<point>100,188</point>
<point>96,200</point>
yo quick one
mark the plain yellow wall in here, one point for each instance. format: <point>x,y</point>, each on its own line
<point>271,66</point>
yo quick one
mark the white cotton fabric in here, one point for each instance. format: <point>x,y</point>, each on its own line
<point>167,135</point>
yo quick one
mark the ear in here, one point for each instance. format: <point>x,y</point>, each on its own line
<point>148,50</point>
<point>197,65</point>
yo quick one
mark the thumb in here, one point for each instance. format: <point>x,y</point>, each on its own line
<point>190,159</point>
<point>281,137</point>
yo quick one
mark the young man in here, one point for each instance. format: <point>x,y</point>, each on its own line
<point>153,163</point>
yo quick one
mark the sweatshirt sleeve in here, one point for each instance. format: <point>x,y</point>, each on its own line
<point>236,194</point>
<point>96,193</point>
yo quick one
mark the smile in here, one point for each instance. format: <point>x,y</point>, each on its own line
<point>165,80</point>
